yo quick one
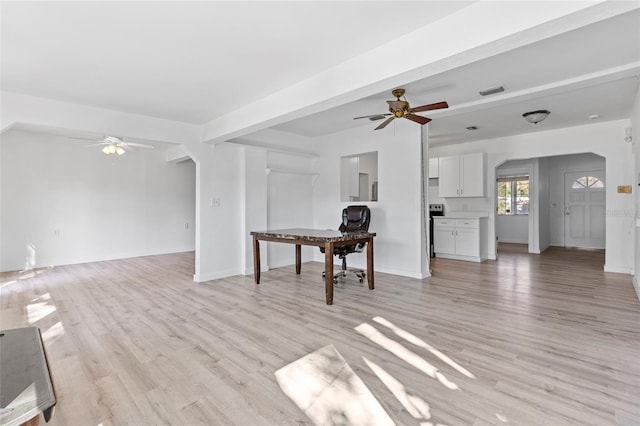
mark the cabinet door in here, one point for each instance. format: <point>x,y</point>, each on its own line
<point>433,168</point>
<point>472,175</point>
<point>444,239</point>
<point>449,176</point>
<point>468,242</point>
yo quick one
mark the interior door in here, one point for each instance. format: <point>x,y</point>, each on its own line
<point>584,209</point>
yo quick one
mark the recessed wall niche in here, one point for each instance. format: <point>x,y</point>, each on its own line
<point>359,177</point>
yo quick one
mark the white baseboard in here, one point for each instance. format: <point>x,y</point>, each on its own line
<point>617,269</point>
<point>200,278</point>
<point>249,271</point>
<point>409,274</point>
<point>636,286</point>
<point>459,257</point>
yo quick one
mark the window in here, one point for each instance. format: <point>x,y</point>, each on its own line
<point>513,195</point>
<point>587,182</point>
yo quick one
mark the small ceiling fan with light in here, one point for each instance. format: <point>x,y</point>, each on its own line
<point>113,145</point>
<point>401,109</point>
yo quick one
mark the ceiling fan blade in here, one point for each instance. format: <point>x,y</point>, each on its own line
<point>385,122</point>
<point>98,144</point>
<point>417,118</point>
<point>137,145</point>
<point>82,139</point>
<point>373,115</point>
<point>437,105</point>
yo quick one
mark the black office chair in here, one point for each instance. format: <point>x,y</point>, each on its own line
<point>354,219</point>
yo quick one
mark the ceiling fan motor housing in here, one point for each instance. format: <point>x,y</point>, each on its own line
<point>398,108</point>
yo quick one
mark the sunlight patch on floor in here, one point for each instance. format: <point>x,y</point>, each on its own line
<point>327,390</point>
<point>404,354</point>
<point>53,333</point>
<point>39,308</point>
<point>23,275</point>
<point>415,405</point>
<point>421,343</point>
<point>7,283</point>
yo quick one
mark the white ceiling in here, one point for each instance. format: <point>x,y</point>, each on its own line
<point>196,61</point>
<point>189,61</point>
<point>587,71</point>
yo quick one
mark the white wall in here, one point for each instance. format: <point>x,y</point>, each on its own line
<point>220,242</point>
<point>396,217</point>
<point>513,229</point>
<point>544,203</point>
<point>635,123</point>
<point>254,197</point>
<point>63,202</point>
<point>605,139</point>
<point>289,203</point>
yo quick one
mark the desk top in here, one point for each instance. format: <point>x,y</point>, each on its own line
<point>25,383</point>
<point>313,235</point>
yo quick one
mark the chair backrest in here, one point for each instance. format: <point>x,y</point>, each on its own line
<point>355,218</point>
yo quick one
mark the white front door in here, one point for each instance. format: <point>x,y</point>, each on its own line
<point>584,209</point>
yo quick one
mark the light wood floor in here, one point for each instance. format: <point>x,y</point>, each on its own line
<point>547,339</point>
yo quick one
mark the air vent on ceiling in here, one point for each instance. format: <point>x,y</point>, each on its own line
<point>491,91</point>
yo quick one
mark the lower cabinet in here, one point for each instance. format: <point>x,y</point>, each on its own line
<point>459,238</point>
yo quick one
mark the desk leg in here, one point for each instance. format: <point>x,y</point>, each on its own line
<point>328,272</point>
<point>298,258</point>
<point>370,263</point>
<point>256,259</point>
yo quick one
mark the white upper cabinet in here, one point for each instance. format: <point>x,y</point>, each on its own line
<point>433,168</point>
<point>449,177</point>
<point>462,176</point>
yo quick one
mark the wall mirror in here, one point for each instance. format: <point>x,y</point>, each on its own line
<point>359,177</point>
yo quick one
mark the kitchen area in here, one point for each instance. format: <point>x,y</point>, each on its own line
<point>456,232</point>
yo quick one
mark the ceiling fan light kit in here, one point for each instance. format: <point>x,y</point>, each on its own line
<point>113,145</point>
<point>112,149</point>
<point>535,117</point>
<point>402,109</point>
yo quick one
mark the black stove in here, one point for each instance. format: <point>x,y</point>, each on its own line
<point>434,210</point>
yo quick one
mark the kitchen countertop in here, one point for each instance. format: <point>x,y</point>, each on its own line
<point>466,215</point>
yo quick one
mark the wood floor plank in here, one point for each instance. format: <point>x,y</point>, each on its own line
<point>548,339</point>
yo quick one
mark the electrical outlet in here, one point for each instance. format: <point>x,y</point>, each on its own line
<point>186,225</point>
<point>215,202</point>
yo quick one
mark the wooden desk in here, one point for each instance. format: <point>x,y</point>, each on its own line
<point>26,389</point>
<point>319,238</point>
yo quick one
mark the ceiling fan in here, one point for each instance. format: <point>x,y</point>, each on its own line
<point>401,109</point>
<point>114,145</point>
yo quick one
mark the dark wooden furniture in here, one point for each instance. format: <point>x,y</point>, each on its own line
<point>319,238</point>
<point>26,389</point>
